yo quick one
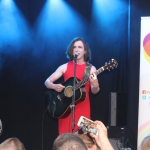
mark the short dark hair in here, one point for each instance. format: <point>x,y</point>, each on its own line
<point>69,51</point>
<point>68,141</point>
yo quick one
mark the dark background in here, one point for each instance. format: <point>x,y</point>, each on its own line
<point>26,62</point>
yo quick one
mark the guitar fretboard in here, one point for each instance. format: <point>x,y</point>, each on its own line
<point>86,78</point>
<point>113,63</point>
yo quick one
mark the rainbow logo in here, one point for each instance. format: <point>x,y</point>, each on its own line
<point>146,45</point>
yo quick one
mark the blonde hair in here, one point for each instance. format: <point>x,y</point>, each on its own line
<point>145,145</point>
<point>12,144</point>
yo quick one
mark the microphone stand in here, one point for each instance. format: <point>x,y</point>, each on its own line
<point>72,106</point>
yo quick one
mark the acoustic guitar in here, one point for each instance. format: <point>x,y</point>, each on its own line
<point>58,103</point>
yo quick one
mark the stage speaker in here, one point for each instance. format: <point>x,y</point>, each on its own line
<point>117,109</point>
<point>116,144</point>
<point>116,136</point>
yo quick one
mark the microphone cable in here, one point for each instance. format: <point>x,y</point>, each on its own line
<point>43,125</point>
<point>126,142</point>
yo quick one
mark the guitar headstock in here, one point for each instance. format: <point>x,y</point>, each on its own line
<point>111,65</point>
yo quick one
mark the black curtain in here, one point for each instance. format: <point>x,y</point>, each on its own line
<point>22,75</point>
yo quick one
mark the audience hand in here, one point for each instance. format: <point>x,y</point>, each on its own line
<point>101,139</point>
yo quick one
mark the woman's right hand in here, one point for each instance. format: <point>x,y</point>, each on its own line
<point>59,87</point>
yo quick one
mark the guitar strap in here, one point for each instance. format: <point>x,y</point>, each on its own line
<point>87,70</point>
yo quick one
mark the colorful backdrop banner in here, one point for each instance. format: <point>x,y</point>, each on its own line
<point>144,81</point>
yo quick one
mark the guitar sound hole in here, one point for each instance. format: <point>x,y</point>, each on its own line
<point>68,91</point>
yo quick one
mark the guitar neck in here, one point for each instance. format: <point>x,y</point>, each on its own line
<point>100,70</point>
<point>113,63</point>
<point>86,78</point>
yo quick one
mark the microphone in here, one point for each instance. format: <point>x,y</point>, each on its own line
<point>76,54</point>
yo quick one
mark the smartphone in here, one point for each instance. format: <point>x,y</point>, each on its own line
<point>86,125</point>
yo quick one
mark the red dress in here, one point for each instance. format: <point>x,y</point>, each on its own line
<point>82,108</point>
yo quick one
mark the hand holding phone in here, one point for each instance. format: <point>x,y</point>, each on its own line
<point>87,125</point>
